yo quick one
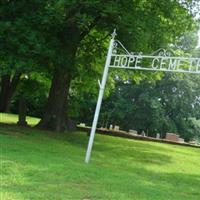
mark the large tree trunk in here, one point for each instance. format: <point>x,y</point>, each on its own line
<point>22,112</point>
<point>8,88</point>
<point>55,117</point>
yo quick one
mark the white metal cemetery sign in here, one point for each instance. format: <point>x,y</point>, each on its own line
<point>161,62</point>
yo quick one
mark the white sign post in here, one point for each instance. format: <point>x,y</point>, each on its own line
<point>101,92</point>
<point>162,62</point>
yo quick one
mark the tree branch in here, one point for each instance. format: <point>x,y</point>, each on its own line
<point>90,27</point>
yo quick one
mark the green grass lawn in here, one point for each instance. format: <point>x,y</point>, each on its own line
<point>13,119</point>
<point>41,165</point>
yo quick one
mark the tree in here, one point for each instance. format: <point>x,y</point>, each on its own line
<point>17,39</point>
<point>187,42</point>
<point>53,32</point>
<point>8,86</point>
<point>165,105</point>
<point>32,90</point>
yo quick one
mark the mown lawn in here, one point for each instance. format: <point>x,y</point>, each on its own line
<point>13,119</point>
<point>41,165</point>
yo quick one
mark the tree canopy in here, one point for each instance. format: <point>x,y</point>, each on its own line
<point>66,41</point>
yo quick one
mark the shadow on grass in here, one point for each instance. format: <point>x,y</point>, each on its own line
<point>146,185</point>
<point>133,151</point>
<point>164,186</point>
<point>107,147</point>
<point>45,175</point>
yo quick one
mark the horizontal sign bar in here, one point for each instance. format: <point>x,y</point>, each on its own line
<point>156,63</point>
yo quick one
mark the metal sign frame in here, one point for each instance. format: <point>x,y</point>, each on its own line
<point>162,62</point>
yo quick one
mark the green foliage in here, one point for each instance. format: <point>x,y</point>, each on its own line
<point>44,32</point>
<point>187,42</point>
<point>70,38</point>
<point>166,105</point>
<point>34,89</point>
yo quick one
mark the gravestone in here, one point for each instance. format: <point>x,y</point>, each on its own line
<point>158,136</point>
<point>172,137</point>
<point>181,140</point>
<point>116,128</point>
<point>132,132</point>
<point>143,134</point>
